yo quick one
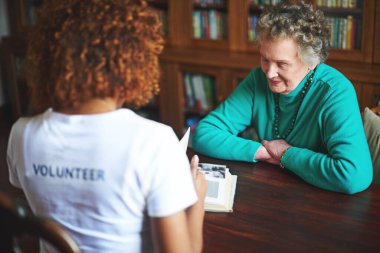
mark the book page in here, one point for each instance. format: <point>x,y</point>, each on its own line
<point>221,185</point>
<point>227,207</point>
<point>217,180</point>
<point>185,140</point>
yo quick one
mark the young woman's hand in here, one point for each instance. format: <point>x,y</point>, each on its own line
<point>183,231</point>
<point>199,179</point>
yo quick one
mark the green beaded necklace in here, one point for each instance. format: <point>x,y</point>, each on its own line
<point>276,128</point>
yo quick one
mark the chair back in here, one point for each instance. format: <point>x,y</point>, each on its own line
<point>16,220</point>
<point>371,121</point>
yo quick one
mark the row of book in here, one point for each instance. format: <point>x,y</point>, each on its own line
<point>322,3</point>
<point>264,2</point>
<point>345,32</point>
<point>209,24</point>
<point>209,2</point>
<point>200,92</point>
<point>339,3</point>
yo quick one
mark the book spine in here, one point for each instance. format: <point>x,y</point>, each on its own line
<point>205,25</point>
<point>344,32</point>
<point>189,91</point>
<point>199,93</point>
<point>213,25</point>
<point>352,4</point>
<point>336,33</point>
<point>254,23</point>
<point>197,25</point>
<point>250,29</point>
<point>329,20</point>
<point>349,33</point>
<point>208,84</point>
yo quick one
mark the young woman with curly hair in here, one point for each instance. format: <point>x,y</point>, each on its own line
<point>117,182</point>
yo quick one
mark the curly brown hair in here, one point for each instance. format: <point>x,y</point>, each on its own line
<point>84,49</point>
<point>297,20</point>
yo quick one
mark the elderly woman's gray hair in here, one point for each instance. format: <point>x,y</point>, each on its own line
<point>300,22</point>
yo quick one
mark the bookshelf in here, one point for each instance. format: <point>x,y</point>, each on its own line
<point>210,23</point>
<point>227,58</point>
<point>12,51</point>
<point>200,93</point>
<point>22,14</point>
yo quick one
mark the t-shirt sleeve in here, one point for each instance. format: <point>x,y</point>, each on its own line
<point>11,161</point>
<point>171,186</point>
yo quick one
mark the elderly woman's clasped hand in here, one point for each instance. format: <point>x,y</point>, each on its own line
<point>272,151</point>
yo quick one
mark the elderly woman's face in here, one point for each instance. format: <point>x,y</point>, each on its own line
<point>282,64</point>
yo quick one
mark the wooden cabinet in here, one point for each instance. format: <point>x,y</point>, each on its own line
<point>222,50</point>
<point>12,51</point>
<point>376,55</point>
<point>21,15</point>
<point>360,18</point>
<point>371,93</point>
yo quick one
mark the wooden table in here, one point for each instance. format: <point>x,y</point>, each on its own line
<point>275,211</point>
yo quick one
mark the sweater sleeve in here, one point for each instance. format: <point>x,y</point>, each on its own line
<point>347,165</point>
<point>217,134</point>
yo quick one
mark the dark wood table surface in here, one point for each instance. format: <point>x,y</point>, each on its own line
<point>275,211</point>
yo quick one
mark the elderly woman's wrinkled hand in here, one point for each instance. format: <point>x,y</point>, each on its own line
<point>276,148</point>
<point>263,155</point>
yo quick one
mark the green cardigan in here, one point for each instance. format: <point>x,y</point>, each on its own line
<point>329,144</point>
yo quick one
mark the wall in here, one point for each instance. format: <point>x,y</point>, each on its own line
<point>4,30</point>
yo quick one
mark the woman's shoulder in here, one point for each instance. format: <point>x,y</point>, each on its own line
<point>137,120</point>
<point>24,121</point>
<point>144,126</point>
<point>330,75</point>
<point>332,79</point>
<point>256,73</point>
<point>256,78</point>
<point>334,86</point>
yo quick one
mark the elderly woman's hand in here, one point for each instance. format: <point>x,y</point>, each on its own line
<point>263,155</point>
<point>276,148</point>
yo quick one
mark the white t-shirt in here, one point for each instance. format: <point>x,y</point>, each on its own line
<point>101,176</point>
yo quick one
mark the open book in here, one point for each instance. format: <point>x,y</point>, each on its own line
<point>221,184</point>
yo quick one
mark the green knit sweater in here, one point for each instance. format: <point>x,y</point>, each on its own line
<point>329,145</point>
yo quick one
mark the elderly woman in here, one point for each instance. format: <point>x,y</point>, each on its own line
<point>100,170</point>
<point>305,112</point>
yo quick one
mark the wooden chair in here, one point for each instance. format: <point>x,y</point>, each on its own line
<point>376,110</point>
<point>16,220</point>
<point>375,151</point>
<point>371,121</point>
